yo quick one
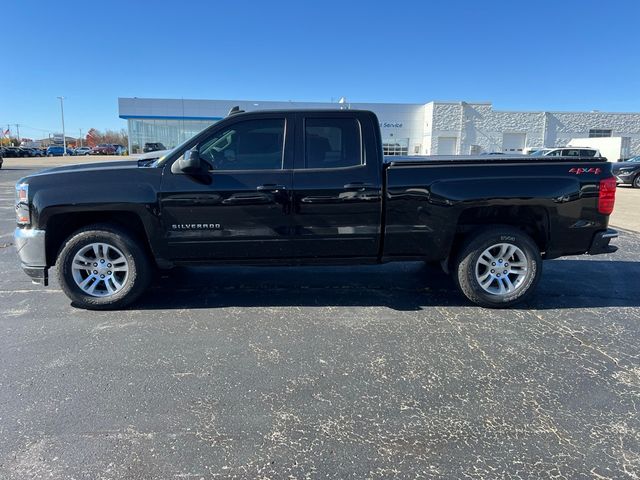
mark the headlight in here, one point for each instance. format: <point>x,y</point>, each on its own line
<point>23,213</point>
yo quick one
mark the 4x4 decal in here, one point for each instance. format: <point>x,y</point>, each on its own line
<point>581,170</point>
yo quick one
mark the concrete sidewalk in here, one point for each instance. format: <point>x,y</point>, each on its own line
<point>626,213</point>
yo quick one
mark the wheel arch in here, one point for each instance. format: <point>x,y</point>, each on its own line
<point>62,225</point>
<point>533,220</point>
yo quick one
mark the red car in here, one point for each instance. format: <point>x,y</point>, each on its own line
<point>103,149</point>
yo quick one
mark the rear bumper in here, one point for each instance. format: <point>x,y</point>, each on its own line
<point>30,245</point>
<point>600,243</point>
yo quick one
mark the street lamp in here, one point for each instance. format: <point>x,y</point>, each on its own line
<point>64,137</point>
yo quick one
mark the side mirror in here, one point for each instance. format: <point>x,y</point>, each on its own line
<point>190,161</point>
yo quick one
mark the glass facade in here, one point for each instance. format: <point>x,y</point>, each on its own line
<point>395,146</point>
<point>169,132</point>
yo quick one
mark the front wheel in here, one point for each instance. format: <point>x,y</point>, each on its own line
<point>636,181</point>
<point>498,267</point>
<point>103,267</point>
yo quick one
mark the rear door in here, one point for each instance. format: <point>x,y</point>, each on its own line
<point>337,186</point>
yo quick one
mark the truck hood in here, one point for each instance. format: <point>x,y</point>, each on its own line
<point>122,164</point>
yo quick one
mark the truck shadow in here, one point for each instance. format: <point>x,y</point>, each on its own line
<point>407,286</point>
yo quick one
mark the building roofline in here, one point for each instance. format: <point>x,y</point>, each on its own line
<point>458,102</point>
<point>258,102</point>
<point>167,117</point>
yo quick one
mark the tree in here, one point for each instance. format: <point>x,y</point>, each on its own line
<point>95,137</point>
<point>9,141</point>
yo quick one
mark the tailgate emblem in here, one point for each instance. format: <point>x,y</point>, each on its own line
<point>581,170</point>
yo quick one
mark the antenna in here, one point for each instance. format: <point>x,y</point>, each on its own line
<point>235,110</point>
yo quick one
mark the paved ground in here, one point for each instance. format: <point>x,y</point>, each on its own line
<point>367,372</point>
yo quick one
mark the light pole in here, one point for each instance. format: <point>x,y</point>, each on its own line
<point>64,137</point>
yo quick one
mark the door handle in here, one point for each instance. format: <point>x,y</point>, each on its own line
<point>270,187</point>
<point>352,185</point>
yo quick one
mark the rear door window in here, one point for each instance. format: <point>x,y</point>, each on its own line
<point>332,143</point>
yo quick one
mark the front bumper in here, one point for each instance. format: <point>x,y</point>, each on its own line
<point>30,245</point>
<point>600,243</point>
<point>625,179</point>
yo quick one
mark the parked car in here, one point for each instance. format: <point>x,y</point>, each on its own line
<point>31,152</point>
<point>628,172</point>
<point>309,187</point>
<point>120,149</point>
<point>152,147</point>
<point>83,151</point>
<point>103,149</point>
<point>1,159</point>
<point>57,151</point>
<point>15,152</point>
<point>566,152</point>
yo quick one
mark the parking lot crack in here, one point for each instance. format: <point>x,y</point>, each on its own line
<point>563,330</point>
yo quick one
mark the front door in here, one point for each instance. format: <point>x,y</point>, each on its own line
<point>241,207</point>
<point>337,199</point>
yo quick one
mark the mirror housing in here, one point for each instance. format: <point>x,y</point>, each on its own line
<point>190,161</point>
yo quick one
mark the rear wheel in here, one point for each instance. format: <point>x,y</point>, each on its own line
<point>498,267</point>
<point>103,267</point>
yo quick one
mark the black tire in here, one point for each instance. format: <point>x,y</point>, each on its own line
<point>137,280</point>
<point>636,181</point>
<point>464,271</point>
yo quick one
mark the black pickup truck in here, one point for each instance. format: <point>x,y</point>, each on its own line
<point>309,187</point>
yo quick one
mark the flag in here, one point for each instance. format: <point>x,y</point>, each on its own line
<point>6,133</point>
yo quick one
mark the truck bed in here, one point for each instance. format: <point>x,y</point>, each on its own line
<point>482,159</point>
<point>432,200</point>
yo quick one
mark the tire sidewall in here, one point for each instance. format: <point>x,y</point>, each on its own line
<point>466,277</point>
<point>636,181</point>
<point>134,255</point>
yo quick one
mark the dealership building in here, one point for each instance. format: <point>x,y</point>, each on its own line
<point>434,128</point>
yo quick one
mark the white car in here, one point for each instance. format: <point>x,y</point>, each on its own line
<point>566,152</point>
<point>83,151</point>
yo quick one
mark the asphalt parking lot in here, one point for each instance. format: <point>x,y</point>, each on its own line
<point>333,372</point>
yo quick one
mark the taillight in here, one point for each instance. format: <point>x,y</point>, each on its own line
<point>607,197</point>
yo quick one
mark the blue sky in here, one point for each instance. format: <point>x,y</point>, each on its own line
<point>531,55</point>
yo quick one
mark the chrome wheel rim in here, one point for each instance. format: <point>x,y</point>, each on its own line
<point>100,269</point>
<point>501,269</point>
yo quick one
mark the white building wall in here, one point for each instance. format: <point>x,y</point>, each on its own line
<point>478,124</point>
<point>445,123</point>
<point>563,126</point>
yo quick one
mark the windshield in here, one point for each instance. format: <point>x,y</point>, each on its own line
<point>538,153</point>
